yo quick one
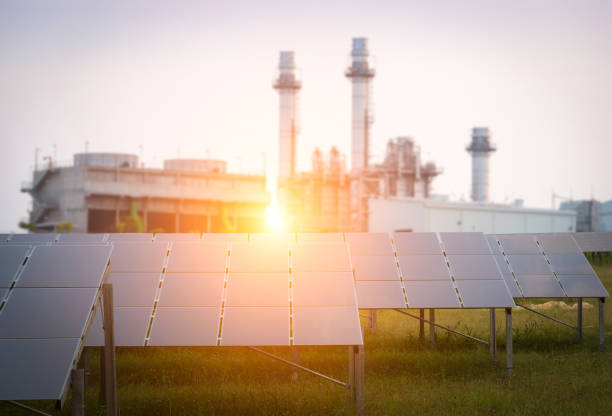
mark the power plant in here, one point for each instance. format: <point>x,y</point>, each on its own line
<point>100,191</point>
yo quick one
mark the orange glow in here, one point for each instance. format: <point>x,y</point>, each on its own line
<point>274,219</point>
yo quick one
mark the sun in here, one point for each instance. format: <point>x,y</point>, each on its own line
<point>274,219</point>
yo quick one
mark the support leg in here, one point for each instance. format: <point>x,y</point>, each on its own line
<point>422,325</point>
<point>579,323</point>
<point>84,364</point>
<point>351,382</point>
<point>602,327</point>
<point>77,378</point>
<point>110,372</point>
<point>359,379</point>
<point>509,352</point>
<point>493,335</point>
<point>373,319</point>
<point>102,392</point>
<point>295,353</point>
<point>432,329</point>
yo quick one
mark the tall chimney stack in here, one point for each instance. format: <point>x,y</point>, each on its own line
<point>288,87</point>
<point>480,148</point>
<point>360,73</point>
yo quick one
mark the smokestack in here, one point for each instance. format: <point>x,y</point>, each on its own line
<point>480,147</point>
<point>288,87</point>
<point>360,73</point>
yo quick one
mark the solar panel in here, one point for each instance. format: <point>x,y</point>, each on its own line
<point>494,244</point>
<point>323,289</point>
<point>46,312</point>
<point>519,244</point>
<point>33,238</point>
<point>255,326</point>
<point>426,267</point>
<point>138,257</point>
<point>5,237</point>
<point>326,326</point>
<point>134,289</point>
<point>131,326</point>
<point>465,243</point>
<point>65,266</point>
<point>431,294</point>
<point>226,237</point>
<point>257,257</point>
<point>484,294</point>
<point>273,238</point>
<point>130,237</point>
<point>594,241</point>
<point>185,326</point>
<point>380,294</point>
<point>35,369</point>
<point>187,290</point>
<point>512,286</point>
<point>41,325</point>
<point>474,267</point>
<point>320,238</point>
<point>558,244</point>
<point>164,237</point>
<point>570,264</point>
<point>529,264</point>
<point>375,268</point>
<point>417,243</point>
<point>537,286</point>
<point>198,258</point>
<point>266,289</point>
<point>369,244</point>
<point>583,286</point>
<point>81,238</point>
<point>11,259</point>
<point>324,257</point>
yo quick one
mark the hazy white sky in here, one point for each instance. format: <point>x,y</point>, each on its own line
<point>193,78</point>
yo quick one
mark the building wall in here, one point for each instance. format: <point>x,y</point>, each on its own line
<point>418,215</point>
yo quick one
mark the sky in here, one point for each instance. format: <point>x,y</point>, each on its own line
<point>165,79</point>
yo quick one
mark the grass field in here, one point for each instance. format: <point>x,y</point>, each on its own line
<point>554,374</point>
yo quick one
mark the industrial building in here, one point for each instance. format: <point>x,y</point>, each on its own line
<point>592,215</point>
<point>110,192</point>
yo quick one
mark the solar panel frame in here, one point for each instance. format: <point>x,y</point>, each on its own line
<point>369,244</point>
<point>380,294</point>
<point>323,257</point>
<point>192,290</point>
<point>472,243</point>
<point>258,290</point>
<point>74,238</point>
<point>33,238</point>
<point>185,326</point>
<point>137,257</point>
<point>198,257</point>
<point>417,243</point>
<point>12,259</point>
<point>336,325</point>
<point>255,326</point>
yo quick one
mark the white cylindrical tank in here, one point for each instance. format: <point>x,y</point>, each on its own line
<point>360,73</point>
<point>288,87</point>
<point>480,148</point>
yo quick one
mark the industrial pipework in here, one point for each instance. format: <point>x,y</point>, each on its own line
<point>360,73</point>
<point>480,147</point>
<point>288,87</point>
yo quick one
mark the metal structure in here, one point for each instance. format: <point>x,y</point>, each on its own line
<point>288,86</point>
<point>480,148</point>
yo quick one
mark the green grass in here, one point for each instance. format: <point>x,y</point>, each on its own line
<point>554,373</point>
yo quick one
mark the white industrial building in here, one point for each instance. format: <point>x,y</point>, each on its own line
<point>421,215</point>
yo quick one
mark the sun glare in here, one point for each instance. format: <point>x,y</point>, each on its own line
<point>274,219</point>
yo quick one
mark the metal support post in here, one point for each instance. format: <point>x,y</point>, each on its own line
<point>373,319</point>
<point>422,325</point>
<point>432,328</point>
<point>358,378</point>
<point>509,352</point>
<point>493,335</point>
<point>295,354</point>
<point>84,363</point>
<point>351,368</point>
<point>102,392</point>
<point>602,327</point>
<point>110,371</point>
<point>77,378</point>
<point>579,323</point>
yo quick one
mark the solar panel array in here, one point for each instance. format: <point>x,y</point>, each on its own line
<point>547,265</point>
<point>270,291</point>
<point>594,242</point>
<point>48,293</point>
<point>426,270</point>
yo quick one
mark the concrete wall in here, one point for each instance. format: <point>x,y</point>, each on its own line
<point>387,215</point>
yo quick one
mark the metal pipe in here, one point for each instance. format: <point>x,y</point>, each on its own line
<point>547,316</point>
<point>493,335</point>
<point>579,324</point>
<point>444,327</point>
<point>602,328</point>
<point>308,370</point>
<point>432,328</point>
<point>28,408</point>
<point>509,352</point>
